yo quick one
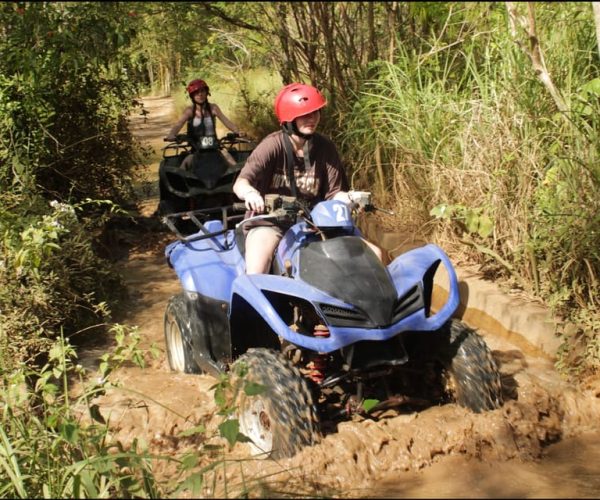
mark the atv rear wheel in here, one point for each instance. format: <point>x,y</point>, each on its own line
<point>470,373</point>
<point>282,419</point>
<point>178,337</point>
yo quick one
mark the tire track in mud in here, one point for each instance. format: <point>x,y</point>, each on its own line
<point>156,404</point>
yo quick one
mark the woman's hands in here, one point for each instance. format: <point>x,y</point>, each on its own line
<point>248,194</point>
<point>254,201</point>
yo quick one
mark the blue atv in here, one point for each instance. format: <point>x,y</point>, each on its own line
<point>331,332</point>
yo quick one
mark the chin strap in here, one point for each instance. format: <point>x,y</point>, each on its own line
<point>291,128</point>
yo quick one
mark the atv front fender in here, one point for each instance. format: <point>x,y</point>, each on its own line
<point>420,265</point>
<point>207,266</point>
<point>258,291</point>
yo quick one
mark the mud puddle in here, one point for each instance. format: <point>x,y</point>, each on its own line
<point>564,471</point>
<point>542,443</point>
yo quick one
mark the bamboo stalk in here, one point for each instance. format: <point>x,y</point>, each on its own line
<point>534,50</point>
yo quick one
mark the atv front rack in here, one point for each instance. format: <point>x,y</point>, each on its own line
<point>278,208</point>
<point>200,216</point>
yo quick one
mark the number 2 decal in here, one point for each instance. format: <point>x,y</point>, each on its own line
<point>341,213</point>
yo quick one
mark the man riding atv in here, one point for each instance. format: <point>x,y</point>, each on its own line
<point>313,328</point>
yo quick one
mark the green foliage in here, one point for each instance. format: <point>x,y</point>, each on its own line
<point>369,404</point>
<point>176,42</point>
<point>65,93</point>
<point>473,220</point>
<point>259,110</point>
<point>46,447</point>
<point>226,394</point>
<point>466,133</point>
<point>50,278</point>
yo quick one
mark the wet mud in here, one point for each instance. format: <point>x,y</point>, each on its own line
<point>543,442</point>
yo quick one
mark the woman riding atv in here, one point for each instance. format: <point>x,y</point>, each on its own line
<point>200,118</point>
<point>295,160</point>
<point>198,169</point>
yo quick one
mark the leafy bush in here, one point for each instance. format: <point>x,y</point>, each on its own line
<point>47,451</point>
<point>50,279</point>
<point>65,93</point>
<point>64,97</point>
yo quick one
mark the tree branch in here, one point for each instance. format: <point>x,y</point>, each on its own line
<point>216,11</point>
<point>533,51</point>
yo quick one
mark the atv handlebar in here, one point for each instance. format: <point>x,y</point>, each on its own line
<point>179,139</point>
<point>362,201</point>
<point>278,208</point>
<point>202,215</point>
<point>230,138</point>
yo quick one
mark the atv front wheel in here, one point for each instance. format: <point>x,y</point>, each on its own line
<point>471,376</point>
<point>281,419</point>
<point>178,337</point>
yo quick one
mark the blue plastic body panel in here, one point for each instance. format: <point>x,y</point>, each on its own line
<point>332,213</point>
<point>215,268</point>
<point>413,264</point>
<point>207,266</point>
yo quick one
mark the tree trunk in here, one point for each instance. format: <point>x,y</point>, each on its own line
<point>150,68</point>
<point>372,40</point>
<point>392,31</point>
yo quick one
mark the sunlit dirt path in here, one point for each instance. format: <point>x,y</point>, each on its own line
<point>442,452</point>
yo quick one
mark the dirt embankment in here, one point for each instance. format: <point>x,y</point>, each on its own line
<point>442,451</point>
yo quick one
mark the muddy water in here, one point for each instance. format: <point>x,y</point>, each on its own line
<point>568,469</point>
<point>544,441</point>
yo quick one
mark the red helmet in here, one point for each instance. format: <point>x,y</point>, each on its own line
<point>297,99</point>
<point>196,85</point>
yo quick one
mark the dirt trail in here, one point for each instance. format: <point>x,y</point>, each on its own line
<point>440,452</point>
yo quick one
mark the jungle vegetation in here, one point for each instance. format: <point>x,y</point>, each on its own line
<point>477,123</point>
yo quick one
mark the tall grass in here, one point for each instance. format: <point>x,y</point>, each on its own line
<point>467,146</point>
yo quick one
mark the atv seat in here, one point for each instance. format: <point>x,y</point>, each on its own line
<point>240,240</point>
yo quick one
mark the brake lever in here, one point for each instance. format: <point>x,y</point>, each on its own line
<point>373,208</point>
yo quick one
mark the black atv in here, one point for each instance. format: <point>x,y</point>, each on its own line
<point>208,180</point>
